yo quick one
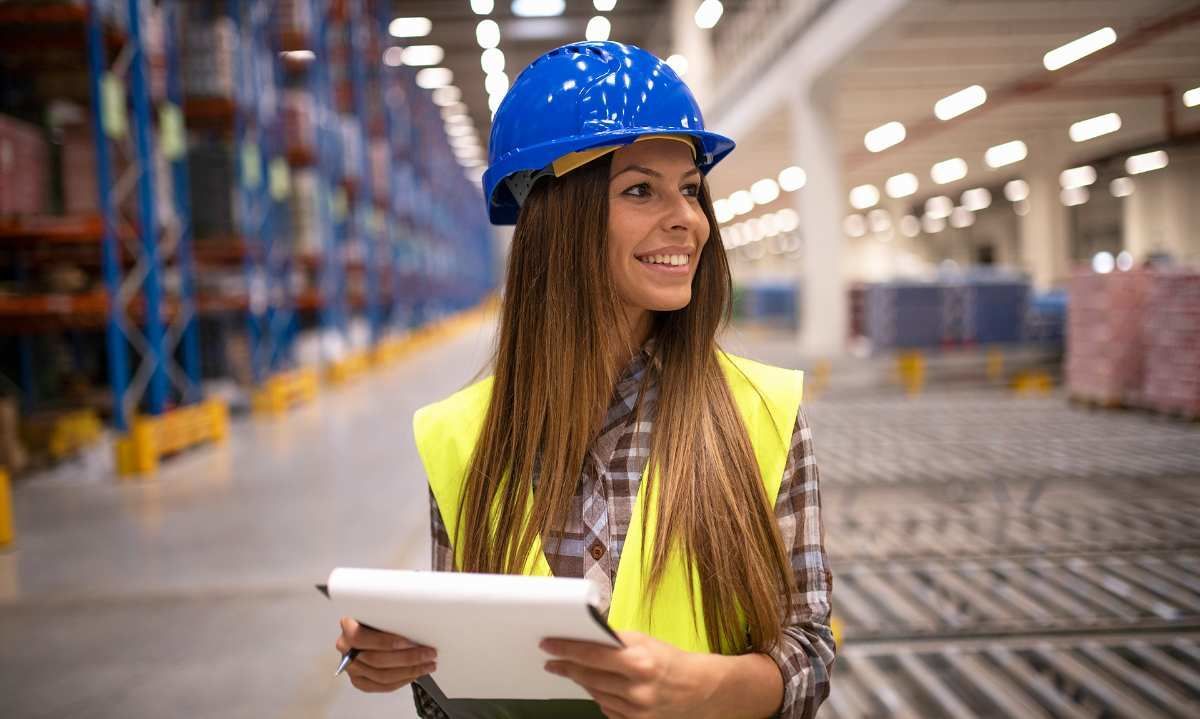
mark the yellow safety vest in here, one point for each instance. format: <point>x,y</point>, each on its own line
<point>447,431</point>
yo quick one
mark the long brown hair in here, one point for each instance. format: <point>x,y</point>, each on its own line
<point>554,377</point>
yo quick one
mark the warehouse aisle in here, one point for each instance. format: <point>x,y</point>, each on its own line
<point>196,588</point>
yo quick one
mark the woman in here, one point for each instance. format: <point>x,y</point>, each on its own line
<point>696,512</point>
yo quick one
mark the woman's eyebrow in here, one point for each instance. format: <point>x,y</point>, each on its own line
<point>651,173</point>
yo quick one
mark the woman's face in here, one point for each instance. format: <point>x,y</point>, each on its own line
<point>656,228</point>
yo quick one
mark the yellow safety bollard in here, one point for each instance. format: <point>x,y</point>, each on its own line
<point>911,367</point>
<point>995,365</point>
<point>6,516</point>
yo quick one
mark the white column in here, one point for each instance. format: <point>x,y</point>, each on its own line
<point>1162,214</point>
<point>1045,231</point>
<point>694,43</point>
<point>824,313</point>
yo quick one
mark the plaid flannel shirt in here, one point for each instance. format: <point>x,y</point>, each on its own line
<point>599,521</point>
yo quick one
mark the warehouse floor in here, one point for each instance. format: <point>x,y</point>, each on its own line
<point>993,556</point>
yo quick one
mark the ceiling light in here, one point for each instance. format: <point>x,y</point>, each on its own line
<point>598,29</point>
<point>538,8</point>
<point>410,27</point>
<point>604,5</point>
<point>496,83</point>
<point>458,120</point>
<point>901,185</point>
<point>1081,47</point>
<point>464,140</point>
<point>949,170</point>
<point>1094,127</point>
<point>933,225</point>
<point>1016,190</point>
<point>494,102</point>
<point>1005,154</point>
<point>961,218</point>
<point>1077,177</point>
<point>448,95</point>
<point>1146,162</point>
<point>1125,261</point>
<point>678,63</point>
<point>764,191</point>
<point>467,151</point>
<point>1103,262</point>
<point>1073,196</point>
<point>787,219</point>
<point>709,13</point>
<point>492,60</point>
<point>962,101</point>
<point>864,196</point>
<point>880,220</point>
<point>432,78</point>
<point>423,55</point>
<point>457,130</point>
<point>453,110</point>
<point>299,55</point>
<point>393,56</point>
<point>910,226</point>
<point>939,207</point>
<point>884,136</point>
<point>792,179</point>
<point>1021,208</point>
<point>741,202</point>
<point>1191,98</point>
<point>768,225</point>
<point>976,199</point>
<point>487,33</point>
<point>854,225</point>
<point>723,211</point>
<point>482,7</point>
<point>1121,187</point>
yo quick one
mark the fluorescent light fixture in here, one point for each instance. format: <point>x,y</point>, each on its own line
<point>393,56</point>
<point>1121,187</point>
<point>1125,261</point>
<point>885,136</point>
<point>299,55</point>
<point>432,78</point>
<point>910,226</point>
<point>939,207</point>
<point>854,225</point>
<point>1005,154</point>
<point>961,218</point>
<point>1021,208</point>
<point>604,5</point>
<point>410,27</point>
<point>1146,162</point>
<point>976,199</point>
<point>1191,98</point>
<point>448,95</point>
<point>949,170</point>
<point>487,33</point>
<point>456,130</point>
<point>764,191</point>
<point>741,202</point>
<point>879,220</point>
<point>1077,177</point>
<point>494,102</point>
<point>723,211</point>
<point>461,119</point>
<point>768,225</point>
<point>492,60</point>
<point>962,101</point>
<point>496,83</point>
<point>787,219</point>
<point>467,151</point>
<point>598,29</point>
<point>792,178</point>
<point>864,196</point>
<point>1094,127</point>
<point>1073,196</point>
<point>933,225</point>
<point>1103,262</point>
<point>1082,47</point>
<point>679,64</point>
<point>1016,190</point>
<point>538,8</point>
<point>482,7</point>
<point>901,185</point>
<point>423,55</point>
<point>464,141</point>
<point>708,14</point>
<point>453,110</point>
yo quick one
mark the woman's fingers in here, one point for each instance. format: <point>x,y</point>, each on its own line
<point>360,637</point>
<point>393,678</point>
<point>590,678</point>
<point>417,656</point>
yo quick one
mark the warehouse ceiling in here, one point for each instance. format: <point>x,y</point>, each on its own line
<point>933,48</point>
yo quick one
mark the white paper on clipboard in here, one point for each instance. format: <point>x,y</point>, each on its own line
<point>485,627</point>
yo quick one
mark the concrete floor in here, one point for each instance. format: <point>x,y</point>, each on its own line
<point>191,595</point>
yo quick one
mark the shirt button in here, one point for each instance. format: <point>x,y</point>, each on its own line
<point>597,550</point>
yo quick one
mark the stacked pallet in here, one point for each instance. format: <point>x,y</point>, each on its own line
<point>1105,349</point>
<point>299,112</point>
<point>1172,341</point>
<point>905,314</point>
<point>24,168</point>
<point>212,173</point>
<point>995,310</point>
<point>209,57</point>
<point>302,213</point>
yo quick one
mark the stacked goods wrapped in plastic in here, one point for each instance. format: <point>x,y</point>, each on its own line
<point>299,117</point>
<point>302,212</point>
<point>293,16</point>
<point>209,57</point>
<point>1172,337</point>
<point>905,314</point>
<point>352,145</point>
<point>1045,321</point>
<point>81,194</point>
<point>995,307</point>
<point>1105,350</point>
<point>380,168</point>
<point>212,172</point>
<point>24,168</point>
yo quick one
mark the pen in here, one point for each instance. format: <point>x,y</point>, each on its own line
<point>350,655</point>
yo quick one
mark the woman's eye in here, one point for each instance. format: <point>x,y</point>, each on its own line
<point>692,190</point>
<point>638,190</point>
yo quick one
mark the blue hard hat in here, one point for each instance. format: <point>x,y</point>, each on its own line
<point>582,96</point>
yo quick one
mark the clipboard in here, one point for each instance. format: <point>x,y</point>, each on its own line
<point>485,627</point>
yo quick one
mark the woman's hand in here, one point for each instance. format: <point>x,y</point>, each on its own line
<point>385,662</point>
<point>646,678</point>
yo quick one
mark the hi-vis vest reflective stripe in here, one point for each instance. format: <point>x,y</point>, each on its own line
<point>447,431</point>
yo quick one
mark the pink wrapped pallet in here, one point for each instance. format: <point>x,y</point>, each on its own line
<point>24,168</point>
<point>299,117</point>
<point>1172,337</point>
<point>1104,337</point>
